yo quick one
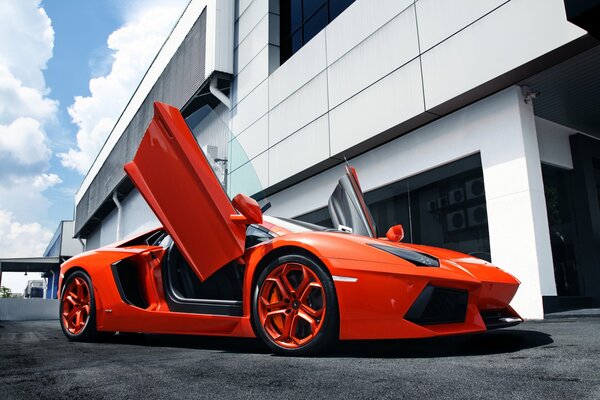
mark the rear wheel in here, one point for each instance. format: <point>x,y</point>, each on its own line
<point>77,308</point>
<point>294,307</point>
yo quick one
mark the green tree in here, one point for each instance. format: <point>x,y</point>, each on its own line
<point>5,292</point>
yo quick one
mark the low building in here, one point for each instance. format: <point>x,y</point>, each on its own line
<point>62,247</point>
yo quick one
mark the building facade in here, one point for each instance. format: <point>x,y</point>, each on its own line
<point>474,124</point>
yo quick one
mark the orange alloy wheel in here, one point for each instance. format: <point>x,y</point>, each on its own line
<point>76,305</point>
<point>291,305</point>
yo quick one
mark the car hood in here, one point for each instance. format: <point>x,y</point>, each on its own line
<point>344,246</point>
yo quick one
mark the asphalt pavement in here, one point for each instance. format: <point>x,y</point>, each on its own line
<point>554,359</point>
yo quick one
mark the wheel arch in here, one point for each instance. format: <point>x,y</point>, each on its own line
<point>70,271</point>
<point>275,252</point>
<point>285,250</point>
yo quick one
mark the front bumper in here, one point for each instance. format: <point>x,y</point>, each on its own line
<point>392,302</point>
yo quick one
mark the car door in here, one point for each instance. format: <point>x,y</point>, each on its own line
<point>174,176</point>
<point>347,206</point>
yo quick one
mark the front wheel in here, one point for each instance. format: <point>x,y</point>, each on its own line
<point>77,308</point>
<point>294,308</point>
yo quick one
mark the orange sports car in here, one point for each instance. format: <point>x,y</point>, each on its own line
<point>219,267</point>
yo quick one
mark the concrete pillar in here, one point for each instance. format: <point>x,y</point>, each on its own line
<point>516,205</point>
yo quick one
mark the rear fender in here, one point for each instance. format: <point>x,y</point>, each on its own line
<point>98,265</point>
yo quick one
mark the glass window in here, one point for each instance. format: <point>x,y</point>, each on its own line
<point>337,6</point>
<point>559,206</point>
<point>315,24</point>
<point>301,20</point>
<point>448,209</point>
<point>596,163</point>
<point>443,207</point>
<point>309,7</point>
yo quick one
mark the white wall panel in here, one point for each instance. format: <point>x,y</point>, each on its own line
<point>514,34</point>
<point>553,140</point>
<point>254,43</point>
<point>303,66</point>
<point>304,106</point>
<point>439,19</point>
<point>69,246</point>
<point>137,215</point>
<point>108,229</point>
<point>250,18</point>
<point>358,22</point>
<point>241,7</point>
<point>251,76</point>
<point>252,177</point>
<point>28,310</point>
<point>396,98</point>
<point>308,146</point>
<point>252,141</point>
<point>93,239</point>
<point>395,44</point>
<point>250,109</point>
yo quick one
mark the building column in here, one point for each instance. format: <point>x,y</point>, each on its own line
<point>516,205</point>
<point>50,287</point>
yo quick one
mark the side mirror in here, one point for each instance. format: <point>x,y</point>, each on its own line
<point>395,233</point>
<point>248,208</point>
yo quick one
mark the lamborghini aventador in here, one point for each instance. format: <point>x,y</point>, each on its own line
<point>218,266</point>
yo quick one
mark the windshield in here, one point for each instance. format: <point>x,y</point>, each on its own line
<point>235,170</point>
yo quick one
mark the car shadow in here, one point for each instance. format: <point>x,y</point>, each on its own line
<point>489,343</point>
<point>225,344</point>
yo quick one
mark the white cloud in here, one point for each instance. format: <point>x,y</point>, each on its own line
<point>22,240</point>
<point>25,108</point>
<point>17,100</point>
<point>45,181</point>
<point>23,142</point>
<point>24,197</point>
<point>134,46</point>
<point>27,41</point>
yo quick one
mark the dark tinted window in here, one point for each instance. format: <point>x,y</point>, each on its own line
<point>256,235</point>
<point>443,207</point>
<point>315,24</point>
<point>337,6</point>
<point>295,15</point>
<point>561,212</point>
<point>301,20</point>
<point>309,7</point>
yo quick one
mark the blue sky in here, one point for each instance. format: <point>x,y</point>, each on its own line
<point>67,68</point>
<point>80,53</point>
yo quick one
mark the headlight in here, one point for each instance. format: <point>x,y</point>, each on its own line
<point>414,257</point>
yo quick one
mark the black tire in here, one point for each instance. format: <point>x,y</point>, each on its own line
<point>89,331</point>
<point>328,333</point>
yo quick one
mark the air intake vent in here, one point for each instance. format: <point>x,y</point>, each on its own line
<point>437,305</point>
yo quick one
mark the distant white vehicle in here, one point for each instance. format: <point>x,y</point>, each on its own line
<point>34,289</point>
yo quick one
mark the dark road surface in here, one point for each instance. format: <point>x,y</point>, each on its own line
<point>557,359</point>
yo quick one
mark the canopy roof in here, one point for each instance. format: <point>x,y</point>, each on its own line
<point>33,264</point>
